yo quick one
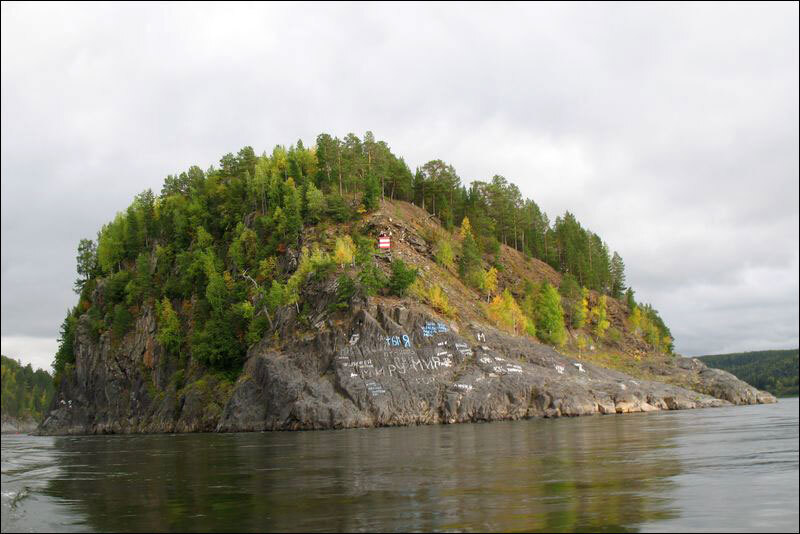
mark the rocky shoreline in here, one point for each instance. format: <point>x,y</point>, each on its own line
<point>13,425</point>
<point>386,366</point>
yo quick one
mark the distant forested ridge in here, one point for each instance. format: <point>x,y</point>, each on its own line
<point>775,371</point>
<point>25,392</point>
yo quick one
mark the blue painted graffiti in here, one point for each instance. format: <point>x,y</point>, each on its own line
<point>431,329</point>
<point>396,341</point>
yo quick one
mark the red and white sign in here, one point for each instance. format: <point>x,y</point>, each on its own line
<point>384,242</point>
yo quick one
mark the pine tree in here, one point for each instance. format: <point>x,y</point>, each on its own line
<point>617,276</point>
<point>629,301</point>
<point>371,193</point>
<point>87,265</point>
<point>291,206</point>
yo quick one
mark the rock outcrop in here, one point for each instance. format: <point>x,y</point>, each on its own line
<point>13,425</point>
<point>385,365</point>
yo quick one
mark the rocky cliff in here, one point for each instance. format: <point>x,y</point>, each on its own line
<point>391,363</point>
<point>383,361</point>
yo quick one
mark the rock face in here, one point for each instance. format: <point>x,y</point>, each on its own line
<point>720,384</point>
<point>13,425</point>
<point>387,365</point>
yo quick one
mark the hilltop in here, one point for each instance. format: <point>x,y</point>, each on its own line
<point>254,296</point>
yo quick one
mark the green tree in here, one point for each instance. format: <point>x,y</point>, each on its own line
<point>470,259</point>
<point>294,220</point>
<point>66,339</point>
<point>402,277</point>
<point>573,301</point>
<point>617,276</point>
<point>87,265</point>
<point>371,193</point>
<point>169,328</point>
<point>629,300</point>
<point>140,285</point>
<point>315,202</point>
<point>549,316</point>
<point>337,208</point>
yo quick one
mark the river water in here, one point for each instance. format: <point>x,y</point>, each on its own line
<point>722,469</point>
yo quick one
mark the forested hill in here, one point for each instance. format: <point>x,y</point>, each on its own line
<point>217,254</point>
<point>25,392</point>
<point>775,371</point>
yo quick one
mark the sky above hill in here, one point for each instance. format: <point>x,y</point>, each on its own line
<point>670,130</point>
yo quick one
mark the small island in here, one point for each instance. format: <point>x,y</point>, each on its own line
<point>332,287</point>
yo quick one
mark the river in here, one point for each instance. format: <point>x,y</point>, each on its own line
<point>719,469</point>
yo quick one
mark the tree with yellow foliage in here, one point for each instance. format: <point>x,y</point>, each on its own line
<point>504,312</point>
<point>466,228</point>
<point>599,318</point>
<point>490,282</point>
<point>344,251</point>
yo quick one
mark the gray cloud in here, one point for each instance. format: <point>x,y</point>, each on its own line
<point>671,130</point>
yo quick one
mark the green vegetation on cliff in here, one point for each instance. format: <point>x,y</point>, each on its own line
<point>775,371</point>
<point>25,392</point>
<point>218,253</point>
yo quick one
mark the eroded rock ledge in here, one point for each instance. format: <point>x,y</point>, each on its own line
<point>387,366</point>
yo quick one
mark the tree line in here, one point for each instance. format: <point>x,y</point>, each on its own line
<point>25,392</point>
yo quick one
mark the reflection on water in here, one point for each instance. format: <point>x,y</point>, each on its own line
<point>614,473</point>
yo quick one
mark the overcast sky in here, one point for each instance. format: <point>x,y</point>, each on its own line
<point>670,130</point>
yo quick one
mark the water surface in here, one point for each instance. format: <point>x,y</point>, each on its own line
<point>723,469</point>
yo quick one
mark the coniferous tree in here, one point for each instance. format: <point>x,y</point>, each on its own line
<point>629,301</point>
<point>87,265</point>
<point>617,276</point>
<point>294,219</point>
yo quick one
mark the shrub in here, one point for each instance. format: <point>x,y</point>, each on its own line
<point>256,329</point>
<point>122,322</point>
<point>614,335</point>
